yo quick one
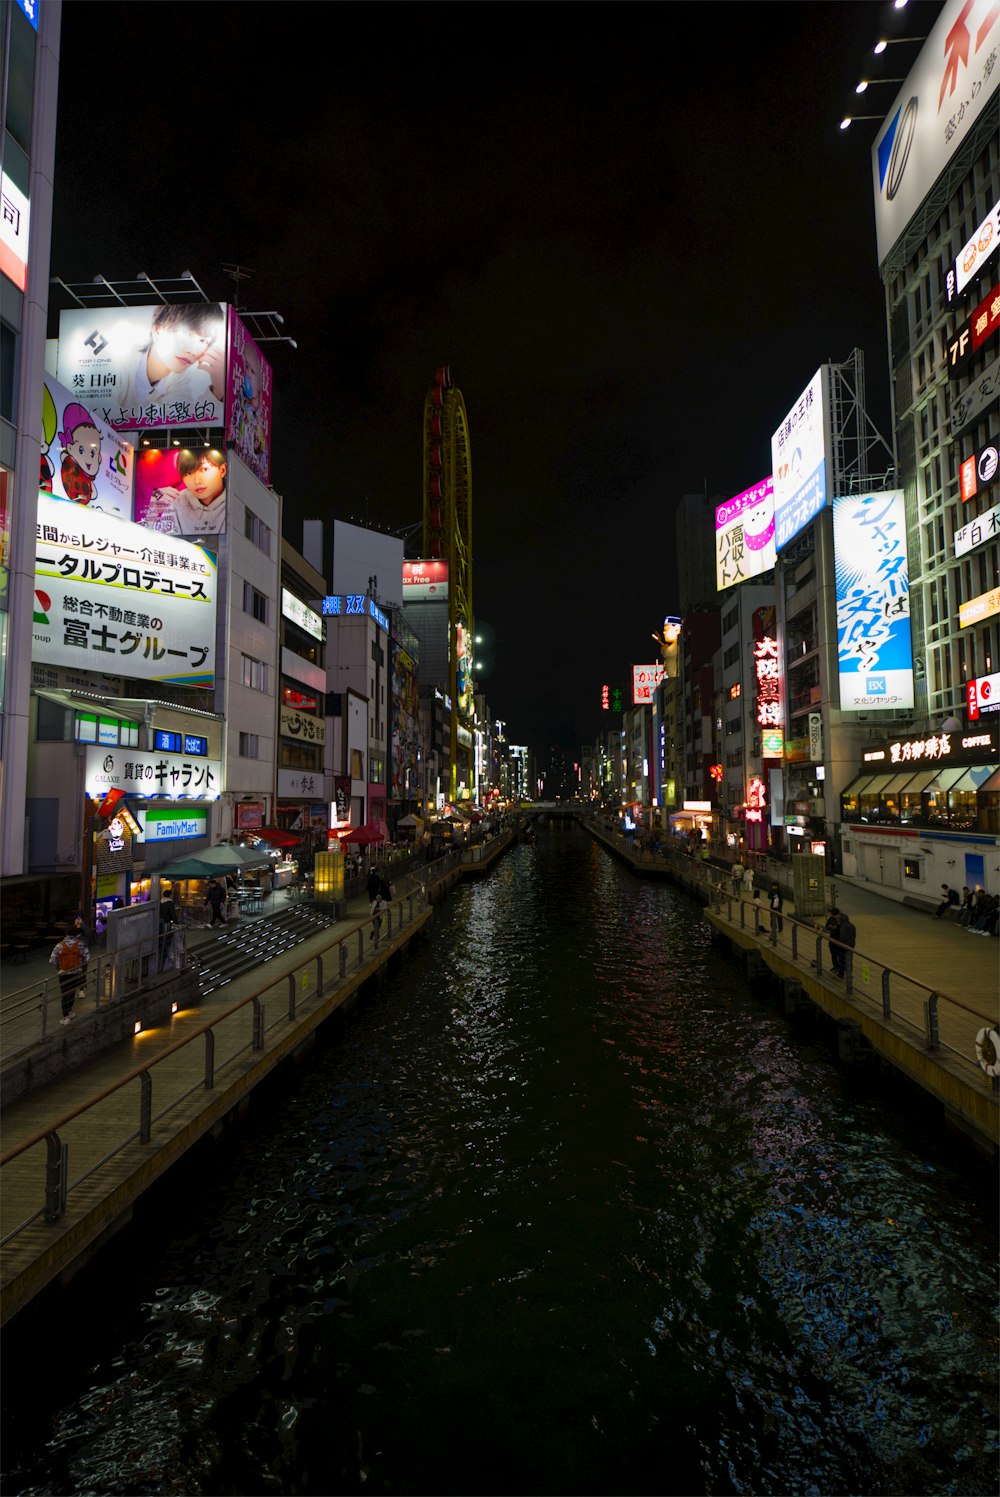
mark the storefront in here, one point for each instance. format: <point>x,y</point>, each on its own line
<point>926,812</point>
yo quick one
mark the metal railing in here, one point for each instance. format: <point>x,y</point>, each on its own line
<point>80,1136</point>
<point>938,1020</point>
<point>32,1013</point>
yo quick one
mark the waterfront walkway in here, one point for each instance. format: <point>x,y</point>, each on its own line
<point>80,1151</point>
<point>920,992</point>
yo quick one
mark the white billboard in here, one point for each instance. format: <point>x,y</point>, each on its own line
<point>138,772</point>
<point>147,367</point>
<point>111,596</point>
<point>799,460</point>
<point>952,81</point>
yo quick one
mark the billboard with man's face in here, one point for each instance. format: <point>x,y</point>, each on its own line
<point>144,368</point>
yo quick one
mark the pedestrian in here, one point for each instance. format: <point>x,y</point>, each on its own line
<point>748,882</point>
<point>216,897</point>
<point>949,898</point>
<point>832,928</point>
<point>848,940</point>
<point>379,908</point>
<point>168,919</point>
<point>737,872</point>
<point>374,883</point>
<point>70,957</point>
<point>384,889</point>
<point>777,924</point>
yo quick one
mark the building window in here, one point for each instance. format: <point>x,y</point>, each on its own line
<point>254,603</point>
<point>254,673</point>
<point>256,531</point>
<point>249,746</point>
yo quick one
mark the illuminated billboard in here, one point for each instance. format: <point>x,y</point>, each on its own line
<point>645,680</point>
<point>424,579</point>
<point>977,609</point>
<point>744,535</point>
<point>874,648</point>
<point>982,696</point>
<point>945,93</point>
<point>979,471</point>
<point>985,528</point>
<point>798,456</point>
<point>974,255</point>
<point>181,491</point>
<point>146,367</point>
<point>14,222</point>
<point>108,599</point>
<point>248,400</point>
<point>82,458</point>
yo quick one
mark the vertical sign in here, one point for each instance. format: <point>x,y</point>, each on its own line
<point>874,649</point>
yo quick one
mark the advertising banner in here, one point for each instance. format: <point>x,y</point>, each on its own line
<point>139,772</point>
<point>342,800</point>
<point>170,823</point>
<point>981,394</point>
<point>181,491</point>
<point>302,727</point>
<point>982,696</point>
<point>295,782</point>
<point>293,608</point>
<point>108,598</point>
<point>95,463</point>
<point>977,609</point>
<point>986,527</point>
<point>424,579</point>
<point>979,471</point>
<point>946,91</point>
<point>874,647</point>
<point>146,368</point>
<point>975,254</point>
<point>645,680</point>
<point>248,400</point>
<point>15,219</point>
<point>744,535</point>
<point>799,459</point>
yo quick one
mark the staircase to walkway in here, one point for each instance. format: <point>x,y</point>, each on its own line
<point>243,948</point>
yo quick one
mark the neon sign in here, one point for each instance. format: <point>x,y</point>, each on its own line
<point>768,670</point>
<point>756,799</point>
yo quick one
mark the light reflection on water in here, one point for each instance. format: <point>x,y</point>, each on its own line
<point>562,1209</point>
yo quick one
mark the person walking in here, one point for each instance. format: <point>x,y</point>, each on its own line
<point>374,883</point>
<point>217,902</point>
<point>737,872</point>
<point>70,957</point>
<point>848,940</point>
<point>777,924</point>
<point>748,881</point>
<point>832,928</point>
<point>379,908</point>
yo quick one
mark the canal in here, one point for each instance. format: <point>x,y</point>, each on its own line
<point>564,1207</point>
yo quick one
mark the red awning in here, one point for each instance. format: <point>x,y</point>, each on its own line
<point>277,837</point>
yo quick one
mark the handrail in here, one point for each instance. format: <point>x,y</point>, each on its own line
<point>139,1071</point>
<point>702,872</point>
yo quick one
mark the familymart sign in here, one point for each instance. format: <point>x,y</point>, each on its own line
<point>171,823</point>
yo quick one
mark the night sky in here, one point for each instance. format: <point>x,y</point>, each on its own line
<point>633,231</point>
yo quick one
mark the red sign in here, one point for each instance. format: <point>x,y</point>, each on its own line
<point>249,815</point>
<point>293,698</point>
<point>768,671</point>
<point>986,318</point>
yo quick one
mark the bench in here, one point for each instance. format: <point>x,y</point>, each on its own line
<point>929,906</point>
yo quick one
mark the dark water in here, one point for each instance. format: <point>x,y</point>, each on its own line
<point>561,1209</point>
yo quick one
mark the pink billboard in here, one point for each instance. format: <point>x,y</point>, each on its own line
<point>181,490</point>
<point>248,400</point>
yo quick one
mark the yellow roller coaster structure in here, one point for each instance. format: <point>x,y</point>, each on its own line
<point>448,537</point>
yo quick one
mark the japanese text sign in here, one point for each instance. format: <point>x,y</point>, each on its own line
<point>875,656</point>
<point>120,599</point>
<point>139,772</point>
<point>744,535</point>
<point>799,460</point>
